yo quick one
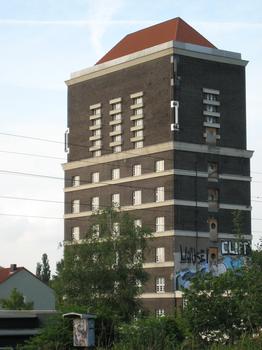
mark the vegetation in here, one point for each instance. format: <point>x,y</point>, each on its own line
<point>43,271</point>
<point>16,301</point>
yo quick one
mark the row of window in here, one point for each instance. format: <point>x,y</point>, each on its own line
<point>159,227</point>
<point>211,115</point>
<point>115,173</point>
<point>115,123</point>
<point>115,200</point>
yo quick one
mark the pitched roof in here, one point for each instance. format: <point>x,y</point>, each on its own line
<point>5,273</point>
<point>174,29</point>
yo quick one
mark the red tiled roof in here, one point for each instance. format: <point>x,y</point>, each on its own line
<point>5,273</point>
<point>174,29</point>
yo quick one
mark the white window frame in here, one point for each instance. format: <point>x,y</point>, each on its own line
<point>94,203</point>
<point>160,284</point>
<point>159,165</point>
<point>115,200</point>
<point>75,233</point>
<point>160,312</point>
<point>138,223</point>
<point>96,230</point>
<point>137,197</point>
<point>117,149</point>
<point>138,144</point>
<point>115,174</point>
<point>76,181</point>
<point>76,206</point>
<point>160,254</point>
<point>137,170</point>
<point>95,177</point>
<point>160,224</point>
<point>116,229</point>
<point>160,194</point>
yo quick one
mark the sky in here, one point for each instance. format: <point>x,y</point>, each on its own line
<point>42,42</point>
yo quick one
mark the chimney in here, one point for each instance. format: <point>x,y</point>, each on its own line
<point>13,267</point>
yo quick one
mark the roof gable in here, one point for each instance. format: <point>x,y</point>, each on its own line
<point>172,30</point>
<point>5,273</point>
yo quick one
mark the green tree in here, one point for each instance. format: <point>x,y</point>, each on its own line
<point>105,272</point>
<point>43,271</point>
<point>224,308</point>
<point>16,301</point>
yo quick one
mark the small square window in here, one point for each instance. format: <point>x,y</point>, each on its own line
<point>76,181</point>
<point>138,144</point>
<point>96,153</point>
<point>160,194</point>
<point>115,174</point>
<point>75,206</point>
<point>160,224</point>
<point>117,127</point>
<point>115,106</point>
<point>95,203</point>
<point>137,100</point>
<point>95,177</point>
<point>138,223</point>
<point>96,132</point>
<point>116,200</point>
<point>116,149</point>
<point>116,229</point>
<point>96,122</point>
<point>160,312</point>
<point>139,122</point>
<point>160,284</point>
<point>138,111</point>
<point>75,233</point>
<point>96,111</point>
<point>117,116</point>
<point>160,254</point>
<point>95,230</point>
<point>117,138</point>
<point>160,165</point>
<point>137,197</point>
<point>139,133</point>
<point>137,170</point>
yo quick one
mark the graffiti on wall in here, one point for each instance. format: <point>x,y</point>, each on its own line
<point>230,255</point>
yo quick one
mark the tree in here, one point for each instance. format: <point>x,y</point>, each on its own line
<point>104,273</point>
<point>224,308</point>
<point>16,301</point>
<point>43,271</point>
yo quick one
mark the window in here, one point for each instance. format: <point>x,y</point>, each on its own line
<point>138,223</point>
<point>137,169</point>
<point>211,120</point>
<point>95,203</point>
<point>160,224</point>
<point>117,116</point>
<point>96,111</point>
<point>137,197</point>
<point>139,133</point>
<point>138,256</point>
<point>96,143</point>
<point>96,153</point>
<point>138,111</point>
<point>117,138</point>
<point>138,144</point>
<point>96,132</point>
<point>139,122</point>
<point>95,177</point>
<point>160,312</point>
<point>116,200</point>
<point>211,108</point>
<point>116,229</point>
<point>137,100</point>
<point>160,165</point>
<point>160,194</point>
<point>76,181</point>
<point>160,284</point>
<point>116,106</point>
<point>76,206</point>
<point>115,174</point>
<point>96,122</point>
<point>212,170</point>
<point>116,149</point>
<point>117,127</point>
<point>160,254</point>
<point>75,233</point>
<point>211,97</point>
<point>95,230</point>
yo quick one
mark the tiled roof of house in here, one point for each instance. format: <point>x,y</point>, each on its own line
<point>5,273</point>
<point>175,29</point>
